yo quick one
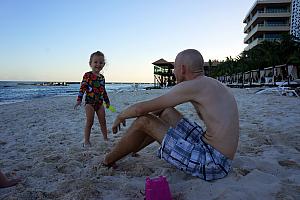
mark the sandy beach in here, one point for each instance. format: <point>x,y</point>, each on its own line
<point>41,142</point>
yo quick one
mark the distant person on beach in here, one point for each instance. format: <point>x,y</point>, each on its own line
<point>93,84</point>
<point>206,153</point>
<point>5,182</point>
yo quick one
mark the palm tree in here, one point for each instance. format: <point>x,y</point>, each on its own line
<point>263,55</point>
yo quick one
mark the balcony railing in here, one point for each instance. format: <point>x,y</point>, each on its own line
<point>267,39</point>
<point>271,25</point>
<point>273,11</point>
<point>259,40</point>
<point>267,27</point>
<point>260,13</point>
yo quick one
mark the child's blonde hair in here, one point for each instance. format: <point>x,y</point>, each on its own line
<point>97,53</point>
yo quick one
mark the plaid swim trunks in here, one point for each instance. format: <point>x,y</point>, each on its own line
<point>184,148</point>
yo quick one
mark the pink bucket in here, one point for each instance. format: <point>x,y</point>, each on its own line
<point>157,189</point>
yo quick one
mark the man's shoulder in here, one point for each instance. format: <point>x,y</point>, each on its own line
<point>205,80</point>
<point>198,86</point>
<point>194,83</point>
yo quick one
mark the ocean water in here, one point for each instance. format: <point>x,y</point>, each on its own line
<point>14,91</point>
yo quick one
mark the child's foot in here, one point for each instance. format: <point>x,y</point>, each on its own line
<point>86,144</point>
<point>105,134</point>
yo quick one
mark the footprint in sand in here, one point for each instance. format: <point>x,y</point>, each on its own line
<point>3,142</point>
<point>242,171</point>
<point>136,170</point>
<point>246,150</point>
<point>37,195</point>
<point>52,158</point>
<point>69,168</point>
<point>289,164</point>
<point>268,141</point>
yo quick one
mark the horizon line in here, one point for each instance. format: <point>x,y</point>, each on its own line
<point>74,82</point>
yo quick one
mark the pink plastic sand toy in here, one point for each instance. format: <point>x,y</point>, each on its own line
<point>157,189</point>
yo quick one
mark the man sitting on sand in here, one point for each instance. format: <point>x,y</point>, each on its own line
<point>186,145</point>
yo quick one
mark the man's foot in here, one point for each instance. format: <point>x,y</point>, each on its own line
<point>112,165</point>
<point>10,183</point>
<point>134,154</point>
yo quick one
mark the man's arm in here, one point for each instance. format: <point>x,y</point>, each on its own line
<point>178,94</point>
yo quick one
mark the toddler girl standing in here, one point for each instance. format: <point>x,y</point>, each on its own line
<point>93,84</point>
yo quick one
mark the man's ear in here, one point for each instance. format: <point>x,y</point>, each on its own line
<point>183,69</point>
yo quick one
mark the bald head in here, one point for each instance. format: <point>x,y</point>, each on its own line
<point>192,59</point>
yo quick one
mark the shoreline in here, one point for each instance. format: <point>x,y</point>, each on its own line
<point>41,142</point>
<point>15,92</point>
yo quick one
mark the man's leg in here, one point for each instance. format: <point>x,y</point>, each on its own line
<point>143,131</point>
<point>170,116</point>
<point>140,129</point>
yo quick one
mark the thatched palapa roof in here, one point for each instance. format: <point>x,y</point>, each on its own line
<point>163,63</point>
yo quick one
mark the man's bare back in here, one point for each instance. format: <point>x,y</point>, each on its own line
<point>217,107</point>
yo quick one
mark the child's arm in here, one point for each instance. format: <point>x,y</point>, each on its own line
<point>78,103</point>
<point>105,96</point>
<point>106,99</point>
<point>82,90</point>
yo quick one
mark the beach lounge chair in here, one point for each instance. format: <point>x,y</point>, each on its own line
<point>281,90</point>
<point>290,91</point>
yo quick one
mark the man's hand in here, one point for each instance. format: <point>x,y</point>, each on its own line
<point>78,103</point>
<point>157,112</point>
<point>117,124</point>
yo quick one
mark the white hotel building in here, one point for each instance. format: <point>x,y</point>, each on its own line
<point>269,19</point>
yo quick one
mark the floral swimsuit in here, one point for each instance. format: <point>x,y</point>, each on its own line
<point>94,87</point>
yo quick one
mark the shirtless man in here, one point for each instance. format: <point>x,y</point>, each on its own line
<point>204,153</point>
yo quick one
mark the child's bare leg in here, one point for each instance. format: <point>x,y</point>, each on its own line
<point>102,121</point>
<point>90,112</point>
<point>4,182</point>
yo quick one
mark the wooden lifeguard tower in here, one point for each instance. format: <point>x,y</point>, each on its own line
<point>163,75</point>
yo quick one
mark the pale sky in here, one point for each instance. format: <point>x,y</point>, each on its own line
<point>51,40</point>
